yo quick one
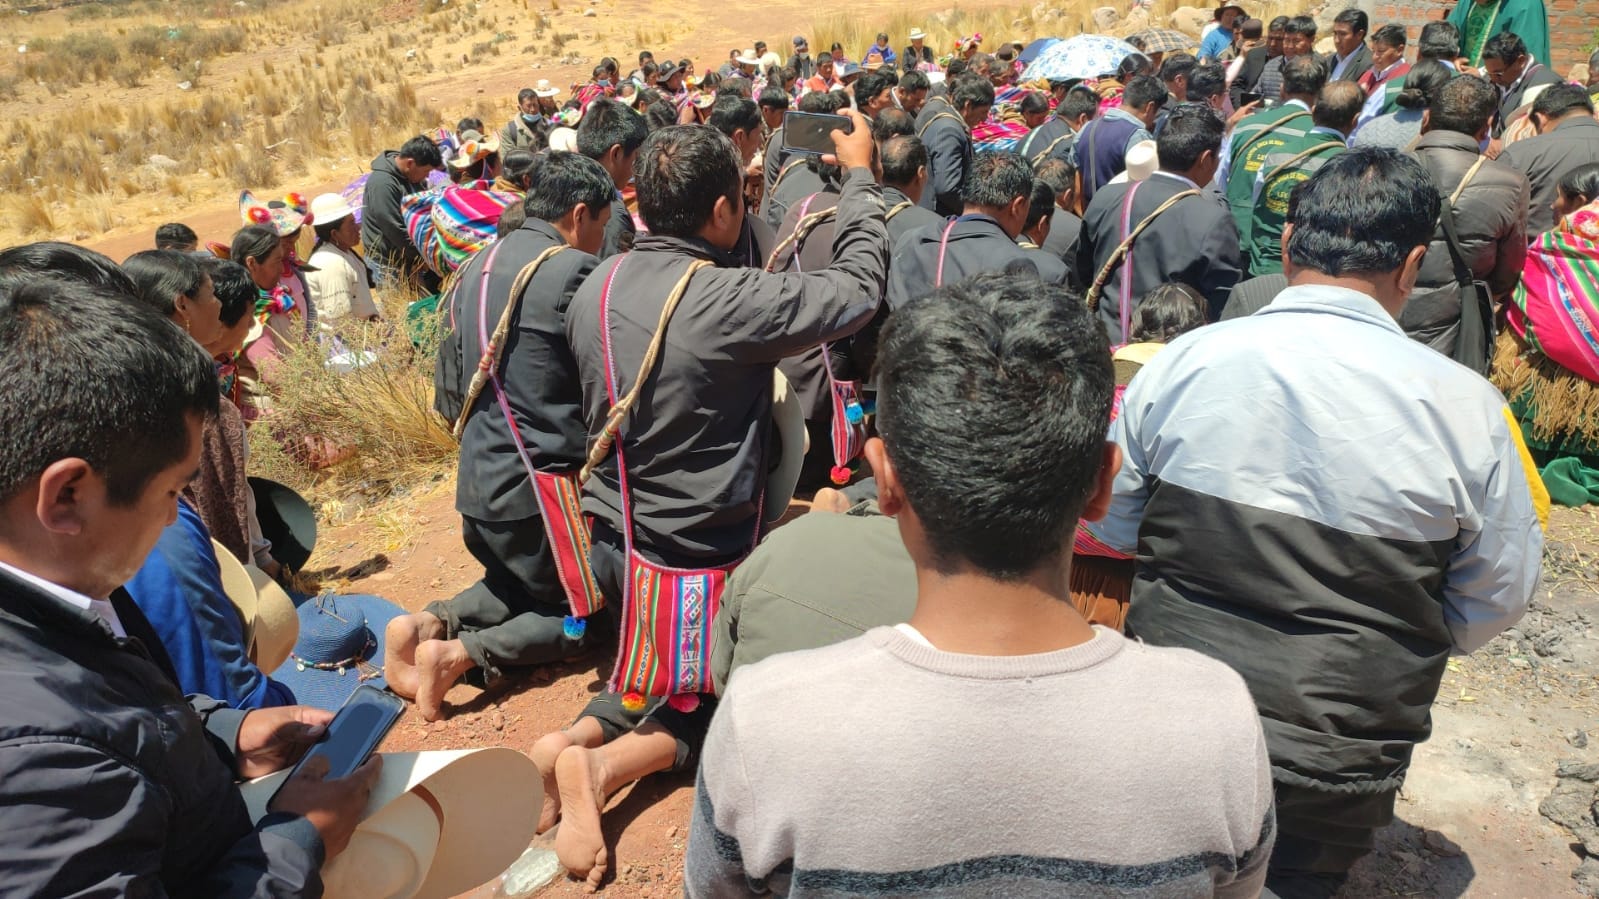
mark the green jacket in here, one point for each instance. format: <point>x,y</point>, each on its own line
<point>1526,19</point>
<point>1283,169</point>
<point>1252,139</point>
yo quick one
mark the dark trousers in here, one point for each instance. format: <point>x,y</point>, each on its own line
<point>609,559</point>
<point>1320,836</point>
<point>514,615</point>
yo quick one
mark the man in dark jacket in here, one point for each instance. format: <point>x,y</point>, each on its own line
<point>1350,57</point>
<point>611,134</point>
<point>1193,241</point>
<point>395,174</point>
<point>112,782</point>
<point>1490,213</point>
<point>795,177</point>
<point>1100,150</point>
<point>1390,516</point>
<point>982,239</point>
<point>904,160</point>
<point>1567,138</point>
<point>1055,138</point>
<point>1519,77</point>
<point>697,443</point>
<point>945,125</point>
<point>529,420</point>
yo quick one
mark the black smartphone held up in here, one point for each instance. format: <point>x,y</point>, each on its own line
<point>812,132</point>
<point>354,733</point>
<point>1248,97</point>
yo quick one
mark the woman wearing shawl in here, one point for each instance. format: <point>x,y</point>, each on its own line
<point>449,224</point>
<point>1548,356</point>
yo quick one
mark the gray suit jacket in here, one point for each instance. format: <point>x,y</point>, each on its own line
<point>1249,297</point>
<point>1359,64</point>
<point>1548,157</point>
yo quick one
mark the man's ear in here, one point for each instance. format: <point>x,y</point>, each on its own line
<point>1104,483</point>
<point>890,496</point>
<point>1411,270</point>
<point>1018,207</point>
<point>67,489</point>
<point>1288,267</point>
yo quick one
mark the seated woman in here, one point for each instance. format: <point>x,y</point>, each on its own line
<point>450,224</point>
<point>179,588</point>
<point>1101,577</point>
<point>1547,362</point>
<point>339,281</point>
<point>1398,130</point>
<point>279,317</point>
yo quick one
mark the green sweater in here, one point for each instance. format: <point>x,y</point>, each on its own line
<point>1256,136</point>
<point>1283,169</point>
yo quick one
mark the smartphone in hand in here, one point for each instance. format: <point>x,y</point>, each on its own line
<point>354,733</point>
<point>811,133</point>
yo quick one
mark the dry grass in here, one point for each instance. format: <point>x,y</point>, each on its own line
<point>382,410</point>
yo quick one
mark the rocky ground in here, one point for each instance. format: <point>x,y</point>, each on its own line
<point>1468,819</point>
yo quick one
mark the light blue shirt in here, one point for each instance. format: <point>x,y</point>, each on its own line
<point>1215,43</point>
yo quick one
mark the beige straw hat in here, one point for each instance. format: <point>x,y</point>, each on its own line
<point>270,623</point>
<point>438,824</point>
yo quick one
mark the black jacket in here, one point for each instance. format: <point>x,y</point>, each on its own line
<point>382,225</point>
<point>697,443</point>
<point>949,155</point>
<point>536,369</point>
<point>620,232</point>
<point>112,782</point>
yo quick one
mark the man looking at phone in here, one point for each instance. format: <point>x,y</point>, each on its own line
<point>945,125</point>
<point>113,783</point>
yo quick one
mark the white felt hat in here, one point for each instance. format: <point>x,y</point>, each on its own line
<point>438,824</point>
<point>1142,161</point>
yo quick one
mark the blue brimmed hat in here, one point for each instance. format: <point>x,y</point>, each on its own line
<point>340,647</point>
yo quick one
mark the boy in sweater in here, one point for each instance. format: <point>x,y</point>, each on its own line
<point>994,395</point>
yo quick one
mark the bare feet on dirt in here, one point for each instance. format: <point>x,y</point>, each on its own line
<point>400,640</point>
<point>439,664</point>
<point>545,751</point>
<point>829,500</point>
<point>580,843</point>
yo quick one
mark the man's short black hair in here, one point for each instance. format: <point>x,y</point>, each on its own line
<point>176,236</point>
<point>1465,104</point>
<point>892,122</point>
<point>1278,24</point>
<point>525,94</point>
<point>162,276</point>
<point>994,397</point>
<point>730,114</point>
<point>902,155</point>
<point>1560,99</point>
<point>1362,212</point>
<point>1302,26</point>
<point>610,124</point>
<point>1355,18</point>
<point>1191,129</point>
<point>1338,105</point>
<point>1391,36</point>
<point>660,114</point>
<point>871,85</point>
<point>1041,205</point>
<point>973,90</point>
<point>233,287</point>
<point>92,373</point>
<point>561,180</point>
<point>1176,65</point>
<point>422,151</point>
<point>1505,47</point>
<point>1059,174</point>
<point>823,102</point>
<point>913,81</point>
<point>773,97</point>
<point>1142,91</point>
<point>1033,103</point>
<point>681,173</point>
<point>1303,76</point>
<point>1206,81</point>
<point>1080,101</point>
<point>996,180</point>
<point>1439,40</point>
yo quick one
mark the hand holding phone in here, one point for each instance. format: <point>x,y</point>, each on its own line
<point>811,133</point>
<point>333,806</point>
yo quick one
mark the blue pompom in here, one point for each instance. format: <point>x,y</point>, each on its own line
<point>574,628</point>
<point>854,414</point>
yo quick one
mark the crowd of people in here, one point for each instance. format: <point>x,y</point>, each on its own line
<point>1211,403</point>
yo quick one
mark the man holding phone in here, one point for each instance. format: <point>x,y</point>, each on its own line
<point>112,781</point>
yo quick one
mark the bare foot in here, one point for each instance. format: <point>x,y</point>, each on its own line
<point>400,641</point>
<point>545,751</point>
<point>439,664</point>
<point>829,500</point>
<point>580,844</point>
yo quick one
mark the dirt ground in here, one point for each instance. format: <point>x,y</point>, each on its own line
<point>1468,822</point>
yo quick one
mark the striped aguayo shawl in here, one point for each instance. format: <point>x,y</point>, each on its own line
<point>1556,305</point>
<point>449,224</point>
